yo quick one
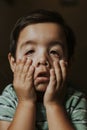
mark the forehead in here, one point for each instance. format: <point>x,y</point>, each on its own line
<point>41,33</point>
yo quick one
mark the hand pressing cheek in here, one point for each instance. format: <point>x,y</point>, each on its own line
<point>23,80</point>
<point>56,88</point>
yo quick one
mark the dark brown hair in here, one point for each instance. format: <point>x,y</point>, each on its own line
<point>42,16</point>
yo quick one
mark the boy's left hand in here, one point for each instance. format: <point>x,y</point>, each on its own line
<point>56,88</point>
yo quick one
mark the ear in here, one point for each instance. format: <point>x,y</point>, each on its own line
<point>12,62</point>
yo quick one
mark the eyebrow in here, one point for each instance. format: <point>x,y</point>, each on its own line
<point>27,43</point>
<point>55,42</point>
<point>51,43</point>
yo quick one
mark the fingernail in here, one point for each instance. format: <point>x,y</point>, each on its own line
<point>64,62</point>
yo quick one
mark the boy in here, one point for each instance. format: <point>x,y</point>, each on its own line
<point>41,49</point>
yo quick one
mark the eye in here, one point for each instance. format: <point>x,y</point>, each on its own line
<point>55,53</point>
<point>29,52</point>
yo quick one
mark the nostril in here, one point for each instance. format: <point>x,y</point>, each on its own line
<point>47,63</point>
<point>42,61</point>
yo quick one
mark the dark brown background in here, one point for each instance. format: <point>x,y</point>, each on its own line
<point>76,17</point>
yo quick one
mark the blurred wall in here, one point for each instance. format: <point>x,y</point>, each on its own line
<point>76,17</point>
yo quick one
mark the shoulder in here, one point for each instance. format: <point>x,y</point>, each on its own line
<point>8,88</point>
<point>8,103</point>
<point>8,96</point>
<point>76,106</point>
<point>75,98</point>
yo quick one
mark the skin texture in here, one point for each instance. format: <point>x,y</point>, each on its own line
<point>40,67</point>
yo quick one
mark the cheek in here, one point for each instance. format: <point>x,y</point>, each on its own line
<point>34,60</point>
<point>53,58</point>
<point>19,55</point>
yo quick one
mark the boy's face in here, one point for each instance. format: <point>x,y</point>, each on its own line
<point>43,43</point>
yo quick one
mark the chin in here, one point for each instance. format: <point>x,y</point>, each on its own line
<point>41,87</point>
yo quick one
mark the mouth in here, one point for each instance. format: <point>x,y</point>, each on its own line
<point>43,74</point>
<point>42,77</point>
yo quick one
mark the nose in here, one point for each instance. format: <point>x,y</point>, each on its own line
<point>43,59</point>
<point>43,62</point>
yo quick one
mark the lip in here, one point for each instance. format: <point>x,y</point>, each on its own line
<point>42,77</point>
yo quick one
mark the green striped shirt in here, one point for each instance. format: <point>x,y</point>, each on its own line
<point>75,104</point>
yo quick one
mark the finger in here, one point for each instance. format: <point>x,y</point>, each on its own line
<point>63,65</point>
<point>52,77</point>
<point>30,75</point>
<point>52,82</point>
<point>18,74</point>
<point>18,70</point>
<point>26,67</point>
<point>58,73</point>
<point>20,64</point>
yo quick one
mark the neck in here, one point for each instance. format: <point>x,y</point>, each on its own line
<point>40,96</point>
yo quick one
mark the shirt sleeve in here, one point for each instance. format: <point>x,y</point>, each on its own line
<point>8,103</point>
<point>79,111</point>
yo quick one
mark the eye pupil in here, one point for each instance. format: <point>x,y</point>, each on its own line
<point>53,52</point>
<point>29,52</point>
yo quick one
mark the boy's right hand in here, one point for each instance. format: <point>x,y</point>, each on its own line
<point>23,80</point>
